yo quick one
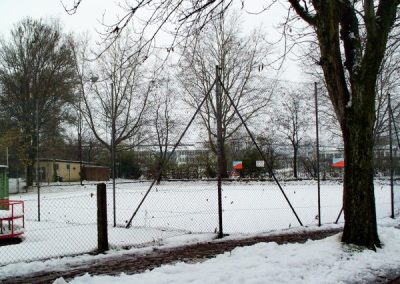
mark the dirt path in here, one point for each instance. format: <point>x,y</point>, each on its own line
<point>136,263</point>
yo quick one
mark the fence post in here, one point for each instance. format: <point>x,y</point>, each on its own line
<point>221,170</point>
<point>102,233</point>
<point>391,158</point>
<point>317,146</point>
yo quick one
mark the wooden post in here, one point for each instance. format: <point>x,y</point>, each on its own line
<point>102,233</point>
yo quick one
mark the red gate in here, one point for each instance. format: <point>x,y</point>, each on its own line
<point>12,221</point>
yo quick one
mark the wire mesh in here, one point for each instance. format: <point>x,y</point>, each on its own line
<point>184,203</point>
<point>171,209</point>
<point>68,223</point>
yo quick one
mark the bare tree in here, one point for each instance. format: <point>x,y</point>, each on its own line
<point>165,121</point>
<point>292,120</point>
<point>387,83</point>
<point>240,59</point>
<point>268,143</point>
<point>115,105</point>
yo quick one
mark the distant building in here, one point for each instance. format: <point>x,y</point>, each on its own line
<point>95,173</point>
<point>187,154</point>
<point>383,151</point>
<point>331,153</point>
<point>190,155</point>
<point>67,170</point>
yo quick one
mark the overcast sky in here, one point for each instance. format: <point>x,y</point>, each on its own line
<point>87,17</point>
<point>91,12</point>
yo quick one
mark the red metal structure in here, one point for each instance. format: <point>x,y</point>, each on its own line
<point>12,221</point>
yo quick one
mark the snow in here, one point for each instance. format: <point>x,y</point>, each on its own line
<point>322,261</point>
<point>5,214</point>
<point>15,210</point>
<point>174,214</point>
<point>23,268</point>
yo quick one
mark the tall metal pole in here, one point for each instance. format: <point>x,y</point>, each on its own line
<point>37,157</point>
<point>219,147</point>
<point>80,139</point>
<point>317,146</point>
<point>391,158</point>
<point>113,152</point>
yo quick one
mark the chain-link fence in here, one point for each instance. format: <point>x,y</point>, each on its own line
<point>60,218</point>
<point>68,224</point>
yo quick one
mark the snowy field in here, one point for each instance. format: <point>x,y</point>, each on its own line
<point>68,213</point>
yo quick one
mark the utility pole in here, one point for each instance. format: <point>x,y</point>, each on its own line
<point>317,146</point>
<point>113,152</point>
<point>218,105</point>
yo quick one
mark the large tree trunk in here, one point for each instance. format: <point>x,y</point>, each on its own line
<point>358,192</point>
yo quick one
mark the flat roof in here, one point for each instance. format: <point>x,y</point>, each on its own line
<point>64,161</point>
<point>3,166</point>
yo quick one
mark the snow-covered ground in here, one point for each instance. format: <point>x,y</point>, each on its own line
<point>322,261</point>
<point>68,214</point>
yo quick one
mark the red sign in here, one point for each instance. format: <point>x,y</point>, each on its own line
<point>338,163</point>
<point>237,165</point>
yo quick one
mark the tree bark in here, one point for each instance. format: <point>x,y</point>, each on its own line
<point>358,192</point>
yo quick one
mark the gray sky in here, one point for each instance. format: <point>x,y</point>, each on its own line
<point>91,12</point>
<point>87,17</point>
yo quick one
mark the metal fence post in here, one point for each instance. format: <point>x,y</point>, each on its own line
<point>102,233</point>
<point>317,146</point>
<point>219,148</point>
<point>391,159</point>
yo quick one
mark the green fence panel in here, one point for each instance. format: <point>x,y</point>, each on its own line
<point>4,192</point>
